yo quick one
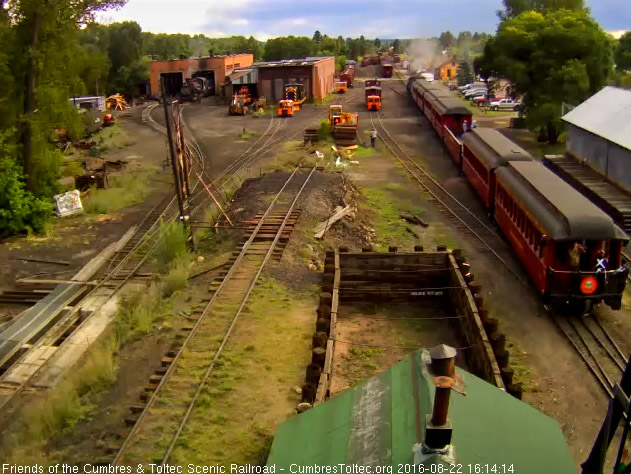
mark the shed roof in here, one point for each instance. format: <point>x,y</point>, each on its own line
<point>492,148</point>
<point>244,76</point>
<point>310,61</point>
<point>378,422</point>
<point>606,114</point>
<point>563,212</point>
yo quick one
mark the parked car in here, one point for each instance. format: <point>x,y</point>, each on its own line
<point>504,104</point>
<point>471,93</point>
<point>463,89</point>
<point>479,100</point>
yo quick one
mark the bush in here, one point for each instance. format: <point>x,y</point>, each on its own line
<point>325,129</point>
<point>136,314</point>
<point>20,210</point>
<point>171,246</point>
<point>176,279</point>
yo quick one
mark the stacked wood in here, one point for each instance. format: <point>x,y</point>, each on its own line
<point>344,135</point>
<point>116,102</point>
<point>311,135</point>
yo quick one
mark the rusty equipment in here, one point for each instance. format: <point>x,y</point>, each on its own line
<point>343,125</point>
<point>295,93</point>
<point>240,102</point>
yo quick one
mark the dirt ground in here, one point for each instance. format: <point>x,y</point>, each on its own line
<point>556,381</point>
<point>371,338</point>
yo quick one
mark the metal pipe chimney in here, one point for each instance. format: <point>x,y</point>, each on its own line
<point>440,412</point>
<point>443,360</point>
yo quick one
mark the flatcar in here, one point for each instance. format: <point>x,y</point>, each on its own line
<point>542,217</point>
<point>348,76</point>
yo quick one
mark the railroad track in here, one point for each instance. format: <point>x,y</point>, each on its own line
<point>172,401</point>
<point>595,346</point>
<point>22,372</point>
<point>586,334</point>
<point>458,213</point>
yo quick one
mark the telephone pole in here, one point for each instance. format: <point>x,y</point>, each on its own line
<point>179,177</point>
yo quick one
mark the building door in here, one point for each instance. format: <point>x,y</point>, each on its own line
<point>266,89</point>
<point>279,93</point>
<point>173,82</point>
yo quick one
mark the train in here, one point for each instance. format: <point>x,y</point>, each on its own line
<point>559,236</point>
<point>386,69</point>
<point>348,76</point>
<point>372,94</point>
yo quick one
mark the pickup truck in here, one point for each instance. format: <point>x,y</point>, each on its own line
<point>505,104</point>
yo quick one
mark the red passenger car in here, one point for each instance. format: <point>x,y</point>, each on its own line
<point>386,69</point>
<point>484,150</point>
<point>544,218</point>
<point>445,111</point>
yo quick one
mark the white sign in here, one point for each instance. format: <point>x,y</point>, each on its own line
<point>68,203</point>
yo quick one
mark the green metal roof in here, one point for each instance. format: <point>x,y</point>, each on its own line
<point>379,421</point>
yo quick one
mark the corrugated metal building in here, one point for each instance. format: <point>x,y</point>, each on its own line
<point>316,74</point>
<point>384,421</point>
<point>215,68</point>
<point>599,133</point>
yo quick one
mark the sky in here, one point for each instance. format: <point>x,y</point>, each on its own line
<point>372,18</point>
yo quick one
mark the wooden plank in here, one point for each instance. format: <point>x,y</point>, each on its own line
<point>35,281</point>
<point>328,359</point>
<point>323,386</point>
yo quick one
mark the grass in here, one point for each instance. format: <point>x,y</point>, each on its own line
<point>250,389</point>
<point>177,278</point>
<point>171,246</point>
<point>324,131</point>
<point>72,168</point>
<point>520,363</point>
<point>390,229</point>
<point>112,138</point>
<point>124,190</point>
<point>246,134</point>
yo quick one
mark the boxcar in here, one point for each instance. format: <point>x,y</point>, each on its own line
<point>386,69</point>
<point>543,217</point>
<point>484,150</point>
<point>348,76</point>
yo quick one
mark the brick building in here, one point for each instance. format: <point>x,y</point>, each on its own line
<point>176,72</point>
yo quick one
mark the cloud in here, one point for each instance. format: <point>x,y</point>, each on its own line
<point>371,18</point>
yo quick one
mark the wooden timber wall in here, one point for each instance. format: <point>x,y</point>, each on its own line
<point>371,276</point>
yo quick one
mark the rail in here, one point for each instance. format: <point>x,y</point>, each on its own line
<point>207,310</point>
<point>444,198</point>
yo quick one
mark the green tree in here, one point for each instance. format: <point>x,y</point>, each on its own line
<point>377,43</point>
<point>623,52</point>
<point>340,63</point>
<point>513,8</point>
<point>550,58</point>
<point>288,47</point>
<point>447,40</point>
<point>465,71</point>
<point>317,37</point>
<point>396,46</point>
<point>45,30</point>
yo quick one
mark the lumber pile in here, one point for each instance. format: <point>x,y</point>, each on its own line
<point>311,135</point>
<point>344,135</point>
<point>116,102</point>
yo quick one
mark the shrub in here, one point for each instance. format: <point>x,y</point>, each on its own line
<point>20,210</point>
<point>176,279</point>
<point>171,245</point>
<point>124,190</point>
<point>325,129</point>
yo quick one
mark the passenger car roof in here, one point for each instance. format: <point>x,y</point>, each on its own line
<point>563,212</point>
<point>493,149</point>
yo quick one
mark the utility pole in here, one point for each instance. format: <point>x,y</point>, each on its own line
<point>182,196</point>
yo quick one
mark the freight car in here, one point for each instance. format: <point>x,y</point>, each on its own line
<point>348,76</point>
<point>544,219</point>
<point>386,69</point>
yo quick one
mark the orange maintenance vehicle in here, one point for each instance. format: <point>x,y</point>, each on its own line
<point>341,87</point>
<point>373,94</point>
<point>286,108</point>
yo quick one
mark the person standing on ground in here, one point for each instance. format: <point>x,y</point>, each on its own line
<point>373,137</point>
